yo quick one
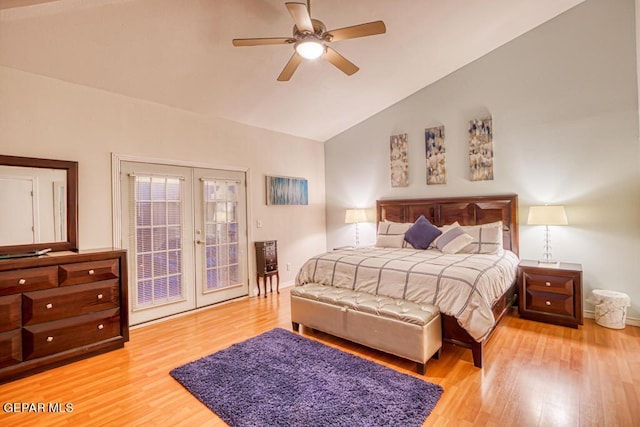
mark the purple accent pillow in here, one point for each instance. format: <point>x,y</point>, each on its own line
<point>421,233</point>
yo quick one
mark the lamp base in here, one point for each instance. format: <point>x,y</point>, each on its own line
<point>548,263</point>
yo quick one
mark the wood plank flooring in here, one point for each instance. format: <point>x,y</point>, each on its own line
<point>535,374</point>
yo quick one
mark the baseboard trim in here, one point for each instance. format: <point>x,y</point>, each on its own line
<point>631,321</point>
<point>185,313</point>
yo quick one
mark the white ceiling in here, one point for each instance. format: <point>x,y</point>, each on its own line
<point>179,52</point>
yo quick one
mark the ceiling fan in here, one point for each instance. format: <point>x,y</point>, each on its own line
<point>311,40</point>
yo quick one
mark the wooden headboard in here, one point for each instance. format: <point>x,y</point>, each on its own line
<point>472,210</point>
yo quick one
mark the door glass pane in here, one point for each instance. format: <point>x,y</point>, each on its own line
<point>221,237</point>
<point>158,242</point>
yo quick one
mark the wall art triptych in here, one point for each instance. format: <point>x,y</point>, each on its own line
<point>399,160</point>
<point>435,155</point>
<point>480,154</point>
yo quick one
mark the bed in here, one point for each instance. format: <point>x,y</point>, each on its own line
<point>473,290</point>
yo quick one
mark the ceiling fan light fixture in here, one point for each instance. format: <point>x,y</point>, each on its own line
<point>310,48</point>
<point>311,40</point>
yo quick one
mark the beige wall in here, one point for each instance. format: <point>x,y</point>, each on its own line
<point>564,102</point>
<point>43,117</point>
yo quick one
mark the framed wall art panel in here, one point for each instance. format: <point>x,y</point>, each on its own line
<point>435,155</point>
<point>399,161</point>
<point>481,149</point>
<point>283,190</point>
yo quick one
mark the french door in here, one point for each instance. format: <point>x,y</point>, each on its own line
<point>185,232</point>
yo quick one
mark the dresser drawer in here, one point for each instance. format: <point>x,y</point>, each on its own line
<point>10,313</point>
<point>10,348</point>
<point>546,283</point>
<point>85,272</point>
<point>59,303</point>
<point>548,302</point>
<point>28,279</point>
<point>53,337</point>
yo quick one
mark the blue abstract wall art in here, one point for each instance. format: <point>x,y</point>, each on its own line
<point>287,191</point>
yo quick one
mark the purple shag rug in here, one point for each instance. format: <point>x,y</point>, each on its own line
<point>280,378</point>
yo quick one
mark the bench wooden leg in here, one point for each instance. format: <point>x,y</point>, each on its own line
<point>437,354</point>
<point>421,368</point>
<point>295,326</point>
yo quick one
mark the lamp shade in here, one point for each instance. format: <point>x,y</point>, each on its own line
<point>547,215</point>
<point>354,216</point>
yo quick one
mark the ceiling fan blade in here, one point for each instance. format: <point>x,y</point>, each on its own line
<point>300,16</point>
<point>290,68</point>
<point>262,41</point>
<point>362,30</point>
<point>340,62</point>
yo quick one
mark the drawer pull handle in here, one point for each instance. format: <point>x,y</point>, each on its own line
<point>22,281</point>
<point>100,326</point>
<point>547,283</point>
<point>99,296</point>
<point>49,306</point>
<point>91,272</point>
<point>49,339</point>
<point>548,302</point>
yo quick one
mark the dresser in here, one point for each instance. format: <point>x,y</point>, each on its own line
<point>267,264</point>
<point>551,294</point>
<point>55,309</point>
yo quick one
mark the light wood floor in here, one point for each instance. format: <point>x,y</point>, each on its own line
<point>535,374</point>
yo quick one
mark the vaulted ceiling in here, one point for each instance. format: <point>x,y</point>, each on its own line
<point>179,52</point>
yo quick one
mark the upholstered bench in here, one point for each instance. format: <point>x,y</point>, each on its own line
<point>403,328</point>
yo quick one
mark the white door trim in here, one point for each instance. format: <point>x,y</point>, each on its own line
<point>116,205</point>
<point>116,198</point>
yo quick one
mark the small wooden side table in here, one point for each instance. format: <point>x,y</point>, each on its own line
<point>267,265</point>
<point>551,294</point>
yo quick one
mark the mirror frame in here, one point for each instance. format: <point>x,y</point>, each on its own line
<point>71,167</point>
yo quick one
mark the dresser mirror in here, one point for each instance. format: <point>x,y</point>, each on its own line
<point>38,205</point>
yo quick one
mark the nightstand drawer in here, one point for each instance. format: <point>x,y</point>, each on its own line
<point>547,302</point>
<point>547,283</point>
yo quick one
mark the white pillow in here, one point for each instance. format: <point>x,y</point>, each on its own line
<point>390,241</point>
<point>453,240</point>
<point>388,228</point>
<point>487,238</point>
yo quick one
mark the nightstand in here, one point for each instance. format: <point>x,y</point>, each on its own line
<point>267,264</point>
<point>551,294</point>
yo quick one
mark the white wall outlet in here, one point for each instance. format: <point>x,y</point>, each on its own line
<point>259,223</point>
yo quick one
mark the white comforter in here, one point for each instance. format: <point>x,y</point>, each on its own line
<point>463,285</point>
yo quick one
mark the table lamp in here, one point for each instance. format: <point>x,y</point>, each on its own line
<point>547,215</point>
<point>355,216</point>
